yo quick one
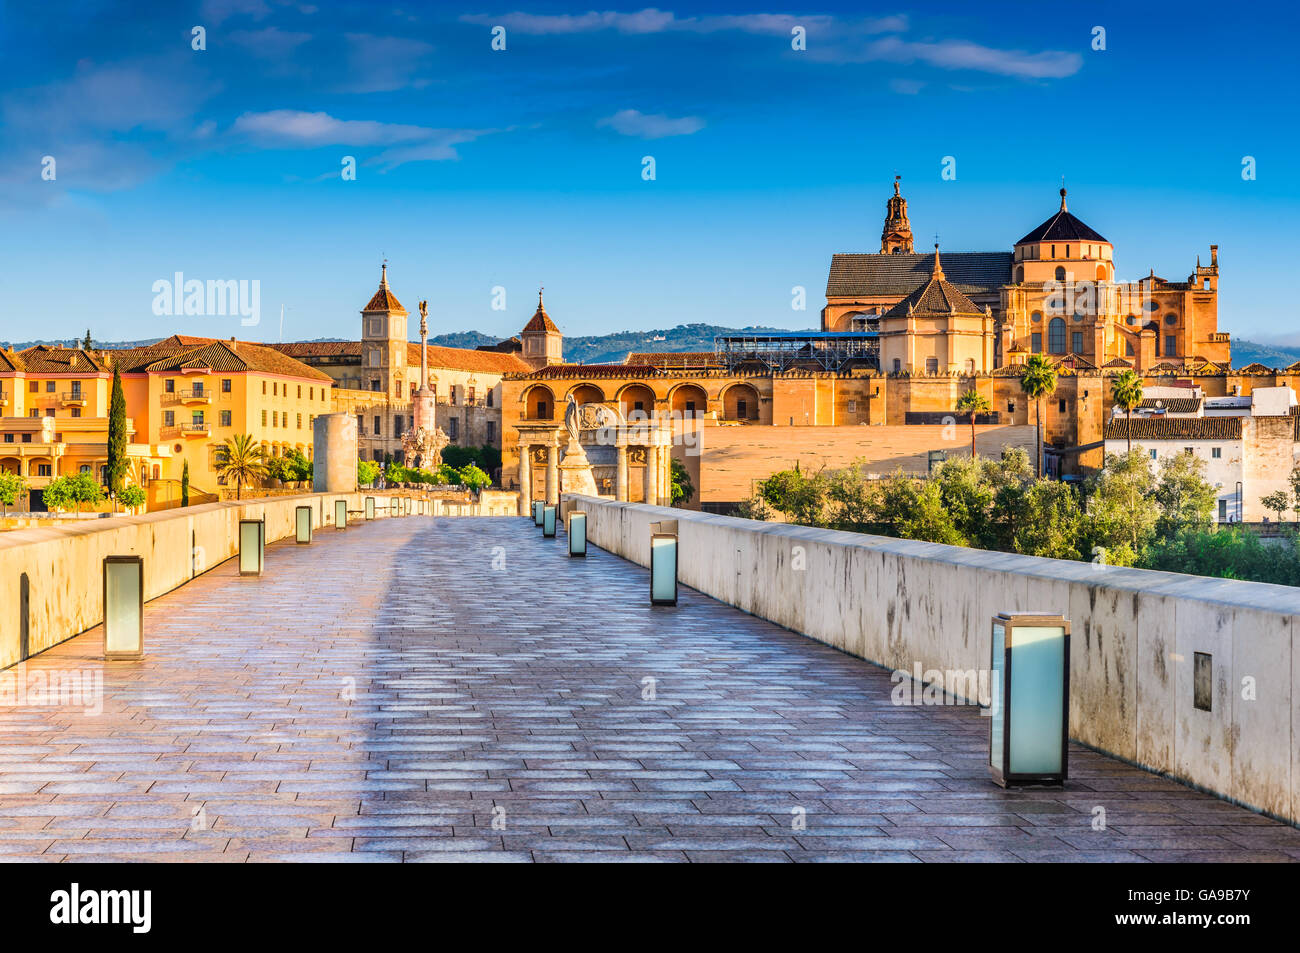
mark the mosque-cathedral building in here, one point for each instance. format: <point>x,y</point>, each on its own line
<point>903,335</point>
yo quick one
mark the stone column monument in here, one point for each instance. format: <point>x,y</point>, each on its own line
<point>334,454</point>
<point>575,469</point>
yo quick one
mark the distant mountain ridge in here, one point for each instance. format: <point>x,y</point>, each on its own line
<point>614,347</point>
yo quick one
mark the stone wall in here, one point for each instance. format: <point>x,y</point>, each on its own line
<point>1135,632</point>
<point>64,564</point>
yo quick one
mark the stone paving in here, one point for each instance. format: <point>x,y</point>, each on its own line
<point>459,689</point>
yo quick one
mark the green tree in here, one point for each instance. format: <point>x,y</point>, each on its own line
<point>1126,391</point>
<point>86,344</point>
<point>132,496</point>
<point>1185,499</point>
<point>117,462</point>
<point>801,499</point>
<point>1038,380</point>
<point>850,500</point>
<point>1276,502</point>
<point>241,460</point>
<point>754,508</point>
<point>929,519</point>
<point>1121,512</point>
<point>1009,479</point>
<point>12,486</point>
<point>967,495</point>
<point>447,476</point>
<point>1295,492</point>
<point>298,467</point>
<point>73,492</point>
<point>1052,521</point>
<point>473,477</point>
<point>185,484</point>
<point>972,402</point>
<point>367,472</point>
<point>682,487</point>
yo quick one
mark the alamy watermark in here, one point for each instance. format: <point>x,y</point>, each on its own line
<point>210,298</point>
<point>53,688</point>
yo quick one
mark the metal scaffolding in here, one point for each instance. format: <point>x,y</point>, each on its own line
<point>782,350</point>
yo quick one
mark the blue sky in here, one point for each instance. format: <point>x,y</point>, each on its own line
<point>479,168</point>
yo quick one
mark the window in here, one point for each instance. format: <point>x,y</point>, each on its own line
<point>1060,405</point>
<point>1171,345</point>
<point>1153,454</point>
<point>361,424</point>
<point>300,392</point>
<point>84,468</point>
<point>1171,319</point>
<point>1053,255</point>
<point>169,418</point>
<point>1036,317</point>
<point>1076,342</point>
<point>198,388</point>
<point>43,469</point>
<point>1216,453</point>
<point>397,423</point>
<point>76,389</point>
<point>639,405</point>
<point>690,406</point>
<point>196,418</point>
<point>225,418</point>
<point>264,418</point>
<point>1128,348</point>
<point>1056,336</point>
<point>399,388</point>
<point>932,365</point>
<point>742,409</point>
<point>225,385</point>
<point>76,411</point>
<point>1036,342</point>
<point>299,421</point>
<point>34,413</point>
<point>491,431</point>
<point>27,438</point>
<point>378,426</point>
<point>311,393</point>
<point>1011,406</point>
<point>1060,273</point>
<point>489,397</point>
<point>898,366</point>
<point>372,357</point>
<point>1189,451</point>
<point>453,428</point>
<point>853,406</point>
<point>374,383</point>
<point>541,410</point>
<point>263,388</point>
<point>33,388</point>
<point>471,395</point>
<point>275,418</point>
<point>1223,511</point>
<point>9,438</point>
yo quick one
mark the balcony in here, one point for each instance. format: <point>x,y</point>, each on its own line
<point>72,398</point>
<point>190,397</point>
<point>197,429</point>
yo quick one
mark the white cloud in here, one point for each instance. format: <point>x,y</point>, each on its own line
<point>295,128</point>
<point>632,122</point>
<point>381,64</point>
<point>963,54</point>
<point>652,20</point>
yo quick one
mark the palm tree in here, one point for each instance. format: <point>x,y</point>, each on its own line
<point>1126,391</point>
<point>972,402</point>
<point>1037,381</point>
<point>240,459</point>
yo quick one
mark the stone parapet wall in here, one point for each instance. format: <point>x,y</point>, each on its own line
<point>63,563</point>
<point>900,603</point>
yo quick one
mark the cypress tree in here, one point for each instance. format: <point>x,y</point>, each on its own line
<point>117,463</point>
<point>185,484</point>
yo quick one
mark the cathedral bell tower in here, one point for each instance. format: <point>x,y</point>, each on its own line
<point>896,236</point>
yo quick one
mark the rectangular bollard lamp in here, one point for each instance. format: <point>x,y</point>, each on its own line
<point>548,522</point>
<point>252,534</point>
<point>340,514</point>
<point>577,533</point>
<point>537,512</point>
<point>302,524</point>
<point>123,607</point>
<point>1029,723</point>
<point>370,507</point>
<point>663,563</point>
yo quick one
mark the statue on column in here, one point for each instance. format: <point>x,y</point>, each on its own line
<point>422,448</point>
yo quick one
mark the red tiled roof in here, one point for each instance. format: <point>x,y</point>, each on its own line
<point>671,358</point>
<point>540,321</point>
<point>452,358</point>
<point>1175,428</point>
<point>384,300</point>
<point>43,359</point>
<point>179,352</point>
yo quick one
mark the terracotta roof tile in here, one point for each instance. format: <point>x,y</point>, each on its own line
<point>43,359</point>
<point>177,353</point>
<point>1175,428</point>
<point>1174,405</point>
<point>972,272</point>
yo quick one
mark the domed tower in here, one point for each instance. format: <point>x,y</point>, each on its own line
<point>896,236</point>
<point>543,343</point>
<point>1063,249</point>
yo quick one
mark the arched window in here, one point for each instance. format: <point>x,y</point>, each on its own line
<point>1020,275</point>
<point>1056,336</point>
<point>1060,273</point>
<point>1101,272</point>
